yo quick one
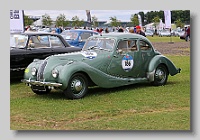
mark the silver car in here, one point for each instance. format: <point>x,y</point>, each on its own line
<point>149,33</point>
<point>164,33</point>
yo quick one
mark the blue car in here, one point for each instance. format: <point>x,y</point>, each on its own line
<point>77,37</point>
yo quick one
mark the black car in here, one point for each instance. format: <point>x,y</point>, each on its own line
<point>25,47</point>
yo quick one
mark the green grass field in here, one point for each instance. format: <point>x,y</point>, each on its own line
<point>134,107</point>
<point>165,39</point>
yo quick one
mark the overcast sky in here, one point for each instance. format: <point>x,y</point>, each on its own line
<point>102,15</point>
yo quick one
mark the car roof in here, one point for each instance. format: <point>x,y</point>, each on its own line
<point>37,33</point>
<point>117,35</point>
<point>81,30</point>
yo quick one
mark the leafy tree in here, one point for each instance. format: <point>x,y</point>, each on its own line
<point>134,20</point>
<point>95,21</point>
<point>179,23</point>
<point>27,21</point>
<point>114,21</point>
<point>46,20</point>
<point>61,21</point>
<point>76,22</point>
<point>183,15</point>
<point>156,21</point>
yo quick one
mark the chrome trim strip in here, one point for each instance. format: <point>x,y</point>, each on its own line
<point>17,69</point>
<point>39,83</point>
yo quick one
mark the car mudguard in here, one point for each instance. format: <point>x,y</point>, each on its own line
<point>161,59</point>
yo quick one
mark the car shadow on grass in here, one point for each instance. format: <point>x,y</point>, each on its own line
<point>98,91</point>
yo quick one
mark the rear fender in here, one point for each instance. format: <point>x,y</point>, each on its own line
<point>160,59</point>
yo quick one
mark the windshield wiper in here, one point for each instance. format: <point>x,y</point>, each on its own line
<point>93,47</point>
<point>104,49</point>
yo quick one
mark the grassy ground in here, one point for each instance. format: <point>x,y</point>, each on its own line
<point>135,107</point>
<point>165,39</point>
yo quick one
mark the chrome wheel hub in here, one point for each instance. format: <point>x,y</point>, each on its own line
<point>160,75</point>
<point>76,86</point>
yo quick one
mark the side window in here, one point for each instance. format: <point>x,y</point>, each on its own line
<point>55,41</point>
<point>122,45</point>
<point>144,46</point>
<point>132,45</point>
<point>39,41</point>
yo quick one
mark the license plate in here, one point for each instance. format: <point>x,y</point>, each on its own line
<point>39,88</point>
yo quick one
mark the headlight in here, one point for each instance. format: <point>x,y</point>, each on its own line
<point>33,71</point>
<point>54,73</point>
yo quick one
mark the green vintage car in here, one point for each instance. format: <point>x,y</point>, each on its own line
<point>107,61</point>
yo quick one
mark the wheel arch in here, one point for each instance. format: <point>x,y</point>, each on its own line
<point>161,60</point>
<point>90,82</point>
<point>69,70</point>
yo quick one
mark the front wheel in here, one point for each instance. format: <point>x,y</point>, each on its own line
<point>160,76</point>
<point>77,86</point>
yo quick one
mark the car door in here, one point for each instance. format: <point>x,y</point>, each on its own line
<point>131,58</point>
<point>124,62</point>
<point>145,55</point>
<point>17,58</point>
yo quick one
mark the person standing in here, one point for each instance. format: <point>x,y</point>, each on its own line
<point>187,33</point>
<point>106,30</point>
<point>57,30</point>
<point>120,29</point>
<point>139,31</point>
<point>131,30</point>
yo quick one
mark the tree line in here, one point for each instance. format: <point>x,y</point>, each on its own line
<point>179,17</point>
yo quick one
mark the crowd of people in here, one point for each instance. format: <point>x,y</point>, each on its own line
<point>136,29</point>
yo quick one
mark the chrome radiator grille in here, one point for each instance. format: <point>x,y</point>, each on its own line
<point>40,73</point>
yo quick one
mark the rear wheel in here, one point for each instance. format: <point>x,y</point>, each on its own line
<point>77,86</point>
<point>40,90</point>
<point>160,76</point>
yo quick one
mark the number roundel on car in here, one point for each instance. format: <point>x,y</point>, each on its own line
<point>127,62</point>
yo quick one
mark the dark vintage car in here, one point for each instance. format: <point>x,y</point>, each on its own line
<point>25,47</point>
<point>107,61</point>
<point>77,37</point>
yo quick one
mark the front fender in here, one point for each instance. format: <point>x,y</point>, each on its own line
<point>69,69</point>
<point>27,72</point>
<point>161,59</point>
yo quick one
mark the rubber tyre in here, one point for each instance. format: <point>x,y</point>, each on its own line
<point>77,86</point>
<point>38,92</point>
<point>160,76</point>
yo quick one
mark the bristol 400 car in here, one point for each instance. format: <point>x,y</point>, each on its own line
<point>107,61</point>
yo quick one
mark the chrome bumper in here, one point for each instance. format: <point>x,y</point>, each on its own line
<point>40,83</point>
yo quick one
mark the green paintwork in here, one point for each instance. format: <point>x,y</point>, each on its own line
<point>105,69</point>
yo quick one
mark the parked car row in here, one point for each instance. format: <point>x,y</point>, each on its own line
<point>25,47</point>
